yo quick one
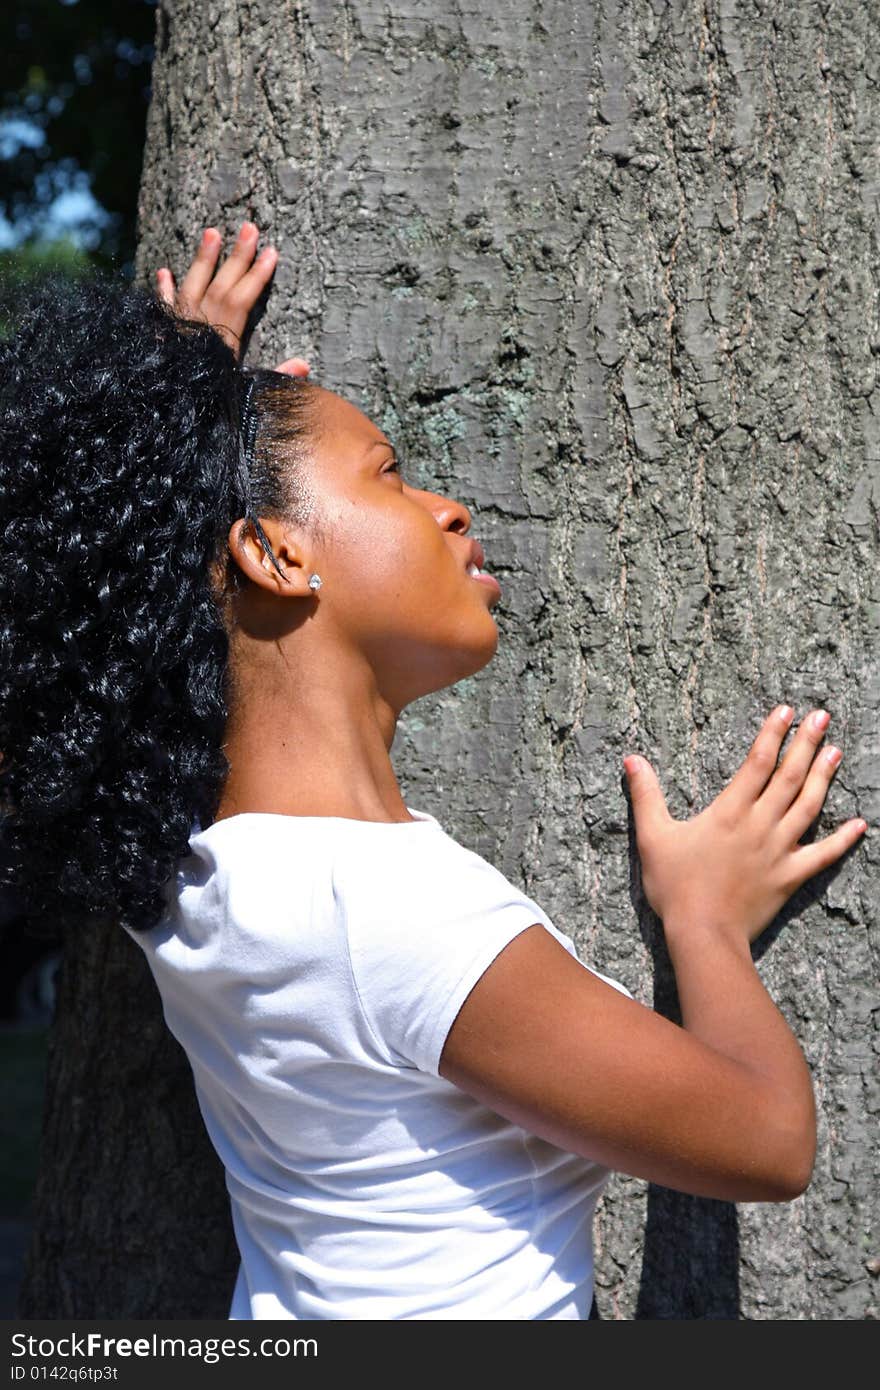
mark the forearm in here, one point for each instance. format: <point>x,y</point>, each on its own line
<point>724,1003</point>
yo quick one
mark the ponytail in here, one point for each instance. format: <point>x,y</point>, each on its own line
<point>121,473</point>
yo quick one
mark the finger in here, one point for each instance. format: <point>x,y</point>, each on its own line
<point>753,774</point>
<point>788,780</point>
<point>294,366</point>
<point>812,859</point>
<point>646,794</point>
<point>806,807</point>
<point>247,291</point>
<point>238,261</point>
<point>198,277</point>
<point>165,286</point>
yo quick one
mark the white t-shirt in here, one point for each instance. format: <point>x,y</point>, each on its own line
<point>311,968</point>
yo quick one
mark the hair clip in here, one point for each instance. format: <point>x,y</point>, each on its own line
<point>248,423</point>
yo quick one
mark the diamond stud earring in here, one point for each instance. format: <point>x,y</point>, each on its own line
<point>314,581</point>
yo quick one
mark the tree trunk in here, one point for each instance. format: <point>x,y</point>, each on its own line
<point>131,1208</point>
<point>606,273</point>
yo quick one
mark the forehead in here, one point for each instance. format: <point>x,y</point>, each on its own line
<point>344,426</point>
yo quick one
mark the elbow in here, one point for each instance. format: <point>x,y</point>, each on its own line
<point>800,1174</point>
<point>786,1185</point>
<point>795,1160</point>
<point>789,1147</point>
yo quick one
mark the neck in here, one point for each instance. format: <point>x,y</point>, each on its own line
<point>319,746</point>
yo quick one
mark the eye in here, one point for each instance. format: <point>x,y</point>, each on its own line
<point>394,467</point>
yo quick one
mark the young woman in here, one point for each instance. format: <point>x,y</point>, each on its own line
<point>218,594</point>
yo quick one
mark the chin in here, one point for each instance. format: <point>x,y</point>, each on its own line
<point>481,655</point>
<point>430,671</point>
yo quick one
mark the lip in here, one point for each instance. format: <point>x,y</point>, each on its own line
<point>488,579</point>
<point>475,555</point>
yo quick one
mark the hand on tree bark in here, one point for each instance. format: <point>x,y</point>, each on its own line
<point>224,298</point>
<point>738,862</point>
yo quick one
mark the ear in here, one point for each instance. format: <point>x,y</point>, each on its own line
<point>248,552</point>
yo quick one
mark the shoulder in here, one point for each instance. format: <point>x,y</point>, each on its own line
<point>253,892</point>
<point>432,875</point>
<point>421,925</point>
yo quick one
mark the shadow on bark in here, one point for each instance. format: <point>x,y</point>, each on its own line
<point>690,1267</point>
<point>690,1264</point>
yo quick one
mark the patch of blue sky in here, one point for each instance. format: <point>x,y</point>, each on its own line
<point>63,206</point>
<point>17,133</point>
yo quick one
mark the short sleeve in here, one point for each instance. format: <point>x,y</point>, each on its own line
<point>421,932</point>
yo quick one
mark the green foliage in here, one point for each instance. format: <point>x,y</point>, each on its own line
<point>35,259</point>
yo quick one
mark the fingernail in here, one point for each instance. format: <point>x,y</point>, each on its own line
<point>821,719</point>
<point>833,755</point>
<point>632,762</point>
<point>786,713</point>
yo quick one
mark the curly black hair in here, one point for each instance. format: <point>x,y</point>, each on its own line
<point>121,473</point>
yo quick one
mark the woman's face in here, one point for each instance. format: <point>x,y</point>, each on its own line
<point>393,561</point>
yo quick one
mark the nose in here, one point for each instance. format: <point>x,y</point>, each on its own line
<point>451,515</point>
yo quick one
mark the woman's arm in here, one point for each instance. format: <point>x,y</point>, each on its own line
<point>225,298</point>
<point>723,1105</point>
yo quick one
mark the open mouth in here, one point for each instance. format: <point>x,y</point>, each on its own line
<point>483,577</point>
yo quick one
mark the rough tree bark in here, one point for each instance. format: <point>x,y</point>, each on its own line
<point>606,272</point>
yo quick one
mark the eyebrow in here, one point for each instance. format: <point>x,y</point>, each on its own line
<point>380,443</point>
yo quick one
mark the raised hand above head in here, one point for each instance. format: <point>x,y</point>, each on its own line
<point>226,297</point>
